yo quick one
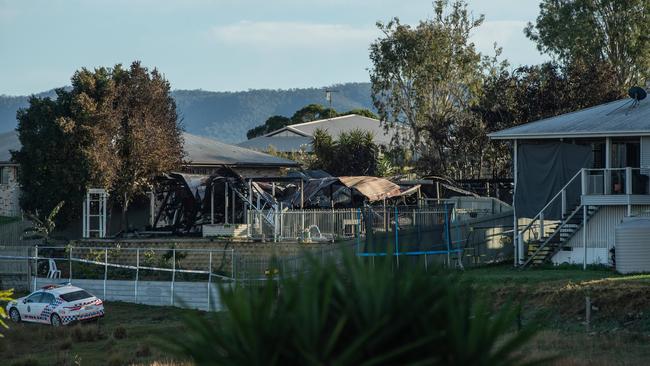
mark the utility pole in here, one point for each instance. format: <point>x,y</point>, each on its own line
<point>328,96</point>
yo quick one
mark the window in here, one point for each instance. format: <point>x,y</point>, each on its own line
<point>47,298</point>
<point>35,297</point>
<point>76,295</point>
<point>4,175</point>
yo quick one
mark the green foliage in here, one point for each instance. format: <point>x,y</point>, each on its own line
<point>361,112</point>
<point>115,128</point>
<point>302,157</point>
<point>5,296</point>
<point>311,112</point>
<point>430,79</point>
<point>530,93</point>
<point>354,153</point>
<point>271,124</point>
<point>595,31</point>
<point>355,314</point>
<point>426,78</point>
<point>43,226</point>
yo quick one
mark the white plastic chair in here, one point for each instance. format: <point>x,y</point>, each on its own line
<point>53,272</point>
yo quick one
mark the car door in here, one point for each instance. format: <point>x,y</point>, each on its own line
<point>29,309</point>
<point>47,302</point>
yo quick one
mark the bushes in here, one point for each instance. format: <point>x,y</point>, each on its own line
<point>119,333</point>
<point>355,314</point>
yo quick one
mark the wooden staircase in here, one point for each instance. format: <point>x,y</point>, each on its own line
<point>556,235</point>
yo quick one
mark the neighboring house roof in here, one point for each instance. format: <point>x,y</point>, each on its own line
<point>291,138</point>
<point>619,118</point>
<point>279,143</point>
<point>200,151</point>
<point>206,151</point>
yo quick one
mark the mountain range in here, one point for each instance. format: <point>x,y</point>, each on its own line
<point>226,116</point>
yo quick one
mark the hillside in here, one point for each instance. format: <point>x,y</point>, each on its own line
<point>227,116</point>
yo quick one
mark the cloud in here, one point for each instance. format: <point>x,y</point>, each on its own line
<point>292,34</point>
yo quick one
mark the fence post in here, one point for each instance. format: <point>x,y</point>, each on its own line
<point>70,264</point>
<point>396,238</point>
<point>447,236</point>
<point>426,264</point>
<point>358,231</point>
<point>35,266</point>
<point>209,279</point>
<point>105,270</point>
<point>173,274</point>
<point>232,265</point>
<point>137,273</point>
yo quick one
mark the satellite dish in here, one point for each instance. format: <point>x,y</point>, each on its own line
<point>637,93</point>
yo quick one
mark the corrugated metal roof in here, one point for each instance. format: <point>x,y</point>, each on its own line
<point>200,151</point>
<point>203,150</point>
<point>618,118</point>
<point>290,138</point>
<point>279,143</point>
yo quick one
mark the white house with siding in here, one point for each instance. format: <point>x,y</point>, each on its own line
<point>576,176</point>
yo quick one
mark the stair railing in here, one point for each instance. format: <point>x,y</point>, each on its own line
<point>556,232</point>
<point>536,227</point>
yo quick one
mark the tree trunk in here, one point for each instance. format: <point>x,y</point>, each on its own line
<point>125,207</point>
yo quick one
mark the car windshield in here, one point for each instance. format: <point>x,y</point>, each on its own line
<point>76,295</point>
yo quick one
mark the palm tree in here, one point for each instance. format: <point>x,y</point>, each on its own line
<point>42,227</point>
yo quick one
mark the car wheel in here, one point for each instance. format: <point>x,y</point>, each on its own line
<point>55,320</point>
<point>14,314</point>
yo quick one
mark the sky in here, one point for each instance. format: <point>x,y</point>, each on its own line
<point>225,45</point>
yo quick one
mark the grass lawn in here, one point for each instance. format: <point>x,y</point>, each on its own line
<point>129,334</point>
<point>552,298</point>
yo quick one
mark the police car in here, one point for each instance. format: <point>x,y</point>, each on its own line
<point>56,305</point>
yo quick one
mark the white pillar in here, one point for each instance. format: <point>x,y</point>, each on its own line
<point>608,165</point>
<point>515,226</point>
<point>584,235</point>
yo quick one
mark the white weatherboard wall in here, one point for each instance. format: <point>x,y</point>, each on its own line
<point>193,295</point>
<point>601,236</point>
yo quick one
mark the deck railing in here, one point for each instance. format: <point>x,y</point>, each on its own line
<point>612,181</point>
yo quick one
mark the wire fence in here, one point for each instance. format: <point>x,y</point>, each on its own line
<point>329,225</point>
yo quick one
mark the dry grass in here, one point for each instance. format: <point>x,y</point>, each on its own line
<point>593,349</point>
<point>137,326</point>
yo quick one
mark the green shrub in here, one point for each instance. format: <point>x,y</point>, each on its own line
<point>354,314</point>
<point>143,350</point>
<point>119,333</point>
<point>117,360</point>
<point>26,362</point>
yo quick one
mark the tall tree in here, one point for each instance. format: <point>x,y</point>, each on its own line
<point>115,129</point>
<point>531,93</point>
<point>427,78</point>
<point>148,138</point>
<point>610,31</point>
